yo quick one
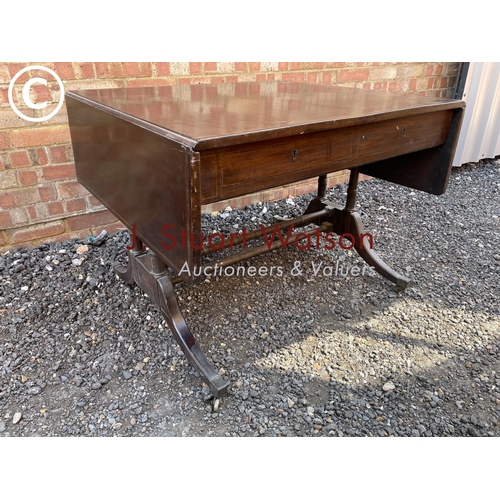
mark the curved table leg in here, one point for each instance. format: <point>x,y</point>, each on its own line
<point>170,309</point>
<point>347,220</point>
<point>370,256</point>
<point>149,272</point>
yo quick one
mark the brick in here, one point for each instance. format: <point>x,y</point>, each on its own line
<point>179,68</point>
<point>94,202</point>
<point>4,96</point>
<point>72,189</point>
<point>162,68</point>
<point>7,200</point>
<point>13,68</point>
<point>451,69</point>
<point>422,83</point>
<point>39,212</point>
<point>109,70</point>
<point>195,68</point>
<point>47,193</point>
<point>4,74</point>
<point>282,66</point>
<point>383,73</point>
<point>110,228</point>
<point>410,70</point>
<point>32,213</point>
<point>327,77</point>
<point>59,172</point>
<point>19,159</point>
<point>27,196</point>
<point>295,65</point>
<point>27,177</point>
<point>133,69</point>
<point>293,77</point>
<point>395,86</point>
<point>40,136</point>
<point>58,154</point>
<point>254,67</point>
<point>212,79</point>
<point>5,219</point>
<point>64,70</point>
<point>8,179</point>
<point>3,240</point>
<point>41,157</point>
<point>240,66</point>
<point>4,141</point>
<point>353,75</point>
<point>55,208</point>
<point>76,205</point>
<point>41,93</point>
<point>19,216</point>
<point>210,67</point>
<point>305,188</point>
<point>9,119</point>
<point>84,70</point>
<point>268,66</point>
<point>35,232</point>
<point>274,194</point>
<point>90,220</point>
<point>335,64</point>
<point>225,67</point>
<point>312,77</point>
<point>4,162</point>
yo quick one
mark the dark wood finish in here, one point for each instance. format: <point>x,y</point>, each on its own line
<point>152,156</point>
<point>145,179</point>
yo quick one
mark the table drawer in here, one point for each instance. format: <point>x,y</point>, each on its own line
<point>283,157</point>
<point>413,131</point>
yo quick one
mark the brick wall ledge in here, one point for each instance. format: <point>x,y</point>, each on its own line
<point>78,226</point>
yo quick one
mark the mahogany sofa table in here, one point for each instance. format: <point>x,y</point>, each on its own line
<point>154,156</point>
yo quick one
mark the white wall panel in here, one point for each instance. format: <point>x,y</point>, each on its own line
<point>480,134</point>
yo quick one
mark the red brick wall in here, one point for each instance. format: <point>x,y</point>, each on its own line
<point>40,199</point>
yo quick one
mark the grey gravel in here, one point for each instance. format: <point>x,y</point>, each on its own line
<point>84,354</point>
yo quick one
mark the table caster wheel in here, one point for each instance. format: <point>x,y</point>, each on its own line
<point>215,405</point>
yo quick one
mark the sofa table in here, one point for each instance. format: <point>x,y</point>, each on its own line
<point>154,156</point>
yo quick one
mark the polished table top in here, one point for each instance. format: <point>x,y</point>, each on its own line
<point>225,114</point>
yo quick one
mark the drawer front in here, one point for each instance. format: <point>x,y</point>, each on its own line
<point>281,158</point>
<point>411,132</point>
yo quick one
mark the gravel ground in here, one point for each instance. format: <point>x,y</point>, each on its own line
<point>82,353</point>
